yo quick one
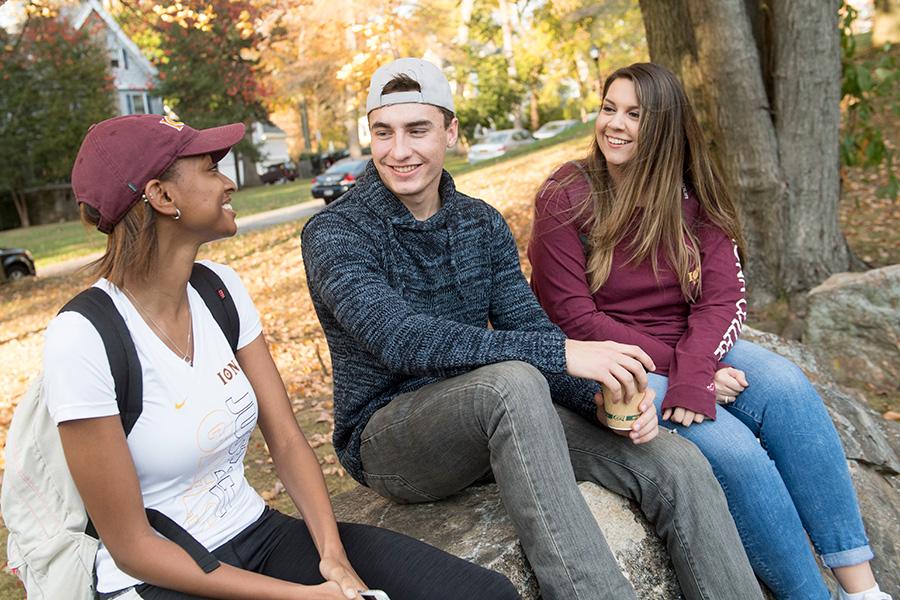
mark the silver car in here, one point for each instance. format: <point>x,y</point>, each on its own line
<point>552,128</point>
<point>499,143</point>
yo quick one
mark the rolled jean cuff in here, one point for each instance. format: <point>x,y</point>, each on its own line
<point>848,558</point>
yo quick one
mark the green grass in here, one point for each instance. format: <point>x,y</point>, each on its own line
<point>58,242</point>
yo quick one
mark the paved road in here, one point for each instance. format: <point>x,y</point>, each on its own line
<point>245,224</point>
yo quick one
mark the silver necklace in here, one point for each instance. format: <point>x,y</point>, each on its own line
<point>185,356</point>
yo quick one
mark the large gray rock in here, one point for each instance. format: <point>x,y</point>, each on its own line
<point>853,324</point>
<point>872,445</point>
<point>474,525</point>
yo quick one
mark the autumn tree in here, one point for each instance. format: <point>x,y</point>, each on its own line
<point>53,84</point>
<point>765,76</point>
<point>207,54</point>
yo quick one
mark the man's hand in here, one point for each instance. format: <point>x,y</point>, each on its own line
<point>337,569</point>
<point>729,383</point>
<point>645,427</point>
<point>620,368</point>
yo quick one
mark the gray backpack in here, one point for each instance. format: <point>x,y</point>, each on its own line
<point>52,543</point>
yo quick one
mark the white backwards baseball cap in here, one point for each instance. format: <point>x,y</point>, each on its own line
<point>435,87</point>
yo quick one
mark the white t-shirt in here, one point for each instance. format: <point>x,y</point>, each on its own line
<point>189,443</point>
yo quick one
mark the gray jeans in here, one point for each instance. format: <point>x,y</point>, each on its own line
<point>499,419</point>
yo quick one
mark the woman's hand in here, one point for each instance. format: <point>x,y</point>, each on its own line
<point>683,416</point>
<point>324,591</point>
<point>337,569</point>
<point>729,383</point>
<point>645,427</point>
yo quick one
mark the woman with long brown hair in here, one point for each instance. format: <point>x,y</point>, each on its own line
<point>153,186</point>
<point>640,243</point>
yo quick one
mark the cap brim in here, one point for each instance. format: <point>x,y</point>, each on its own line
<point>215,141</point>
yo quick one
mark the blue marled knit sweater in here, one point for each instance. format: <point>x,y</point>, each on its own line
<point>405,303</point>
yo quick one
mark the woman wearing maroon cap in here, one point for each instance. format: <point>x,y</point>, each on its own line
<point>153,185</point>
<point>639,243</point>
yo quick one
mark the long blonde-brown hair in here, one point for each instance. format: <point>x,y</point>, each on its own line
<point>670,152</point>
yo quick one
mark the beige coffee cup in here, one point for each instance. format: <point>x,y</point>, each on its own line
<point>622,415</point>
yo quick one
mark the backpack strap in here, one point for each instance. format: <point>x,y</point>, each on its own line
<point>220,303</point>
<point>98,308</point>
<point>176,533</point>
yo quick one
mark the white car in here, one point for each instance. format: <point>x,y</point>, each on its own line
<point>552,128</point>
<point>499,143</point>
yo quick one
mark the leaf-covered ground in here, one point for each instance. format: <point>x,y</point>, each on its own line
<point>270,265</point>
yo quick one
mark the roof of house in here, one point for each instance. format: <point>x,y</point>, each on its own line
<point>94,6</point>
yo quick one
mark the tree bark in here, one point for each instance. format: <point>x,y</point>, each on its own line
<point>351,119</point>
<point>778,152</point>
<point>251,176</point>
<point>506,17</point>
<point>533,106</point>
<point>806,81</point>
<point>462,40</point>
<point>21,208</point>
<point>304,125</point>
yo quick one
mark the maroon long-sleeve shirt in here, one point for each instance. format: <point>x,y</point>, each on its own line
<point>686,340</point>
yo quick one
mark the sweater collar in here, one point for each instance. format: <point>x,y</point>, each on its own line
<point>384,204</point>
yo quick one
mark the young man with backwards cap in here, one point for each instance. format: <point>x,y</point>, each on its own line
<point>447,372</point>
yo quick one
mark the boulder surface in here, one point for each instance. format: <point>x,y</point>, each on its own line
<point>853,325</point>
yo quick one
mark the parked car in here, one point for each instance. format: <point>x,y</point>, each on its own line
<point>17,263</point>
<point>499,143</point>
<point>279,172</point>
<point>552,128</point>
<point>338,179</point>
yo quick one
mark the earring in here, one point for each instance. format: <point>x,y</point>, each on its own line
<point>144,198</point>
<point>177,214</point>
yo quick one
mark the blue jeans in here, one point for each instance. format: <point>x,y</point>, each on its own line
<point>781,465</point>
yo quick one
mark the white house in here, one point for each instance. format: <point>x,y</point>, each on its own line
<point>134,76</point>
<point>273,144</point>
<point>135,79</point>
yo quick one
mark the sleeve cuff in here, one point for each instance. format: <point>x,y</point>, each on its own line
<point>695,398</point>
<point>553,352</point>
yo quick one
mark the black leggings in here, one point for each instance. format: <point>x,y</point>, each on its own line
<point>406,569</point>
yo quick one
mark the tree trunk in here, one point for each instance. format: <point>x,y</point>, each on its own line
<point>462,40</point>
<point>506,18</point>
<point>778,152</point>
<point>21,208</point>
<point>533,103</point>
<point>351,119</point>
<point>304,125</point>
<point>807,94</point>
<point>352,125</point>
<point>251,176</point>
<point>583,89</point>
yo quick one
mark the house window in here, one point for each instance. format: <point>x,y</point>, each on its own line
<point>114,59</point>
<point>124,59</point>
<point>137,103</point>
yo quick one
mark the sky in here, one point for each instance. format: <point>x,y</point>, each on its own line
<point>11,13</point>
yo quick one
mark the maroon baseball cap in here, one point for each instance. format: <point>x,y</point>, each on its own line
<point>120,155</point>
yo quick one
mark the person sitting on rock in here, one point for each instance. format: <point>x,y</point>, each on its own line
<point>153,186</point>
<point>448,373</point>
<point>639,243</point>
